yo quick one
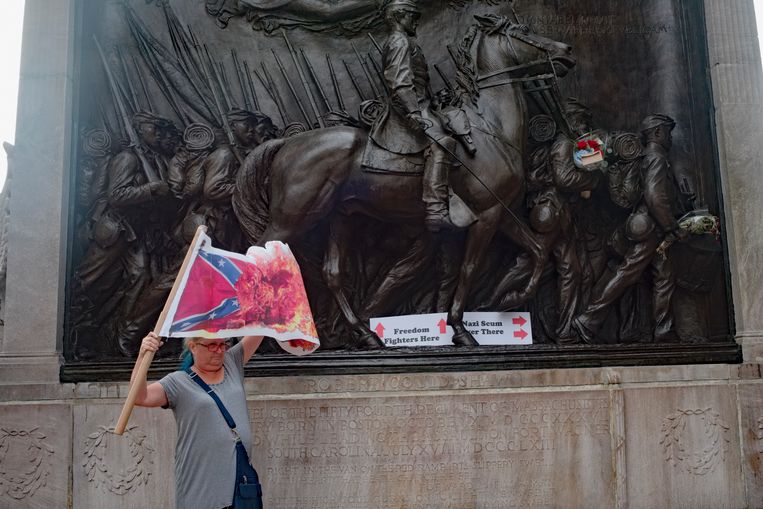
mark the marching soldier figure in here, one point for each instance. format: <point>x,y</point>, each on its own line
<point>220,168</point>
<point>118,251</point>
<point>400,128</point>
<point>653,219</point>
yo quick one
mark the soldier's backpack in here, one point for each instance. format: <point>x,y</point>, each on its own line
<point>624,176</point>
<point>625,183</point>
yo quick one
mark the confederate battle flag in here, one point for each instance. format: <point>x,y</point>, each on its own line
<point>223,294</point>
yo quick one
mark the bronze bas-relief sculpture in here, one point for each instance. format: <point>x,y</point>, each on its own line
<point>439,194</point>
<point>336,184</point>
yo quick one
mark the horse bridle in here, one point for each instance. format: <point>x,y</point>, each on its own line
<point>515,68</point>
<point>543,83</point>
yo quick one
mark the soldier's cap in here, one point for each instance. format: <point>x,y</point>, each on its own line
<point>339,117</point>
<point>403,5</point>
<point>239,115</point>
<point>573,106</point>
<point>146,117</point>
<point>656,120</point>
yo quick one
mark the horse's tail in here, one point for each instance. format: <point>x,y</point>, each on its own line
<point>251,198</point>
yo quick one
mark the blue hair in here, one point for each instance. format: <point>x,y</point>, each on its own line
<point>186,360</point>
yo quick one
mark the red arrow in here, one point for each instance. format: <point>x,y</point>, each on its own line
<point>441,324</point>
<point>521,334</point>
<point>379,330</point>
<point>519,321</point>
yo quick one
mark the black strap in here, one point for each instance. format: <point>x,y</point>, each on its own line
<point>226,415</point>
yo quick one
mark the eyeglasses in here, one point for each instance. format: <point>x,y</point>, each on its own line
<point>218,347</point>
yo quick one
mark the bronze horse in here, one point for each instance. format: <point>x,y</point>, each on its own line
<point>286,186</point>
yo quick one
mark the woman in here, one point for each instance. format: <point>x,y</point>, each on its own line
<point>205,454</point>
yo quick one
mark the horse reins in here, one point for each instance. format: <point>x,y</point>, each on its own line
<point>514,68</point>
<point>502,82</point>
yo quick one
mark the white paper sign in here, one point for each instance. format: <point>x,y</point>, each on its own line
<point>488,328</point>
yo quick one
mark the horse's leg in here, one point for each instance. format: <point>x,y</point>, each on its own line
<point>404,270</point>
<point>524,237</point>
<point>477,241</point>
<point>339,237</point>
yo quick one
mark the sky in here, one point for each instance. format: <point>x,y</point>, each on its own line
<point>11,22</point>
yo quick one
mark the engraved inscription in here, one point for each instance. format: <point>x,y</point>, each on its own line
<point>118,480</point>
<point>571,25</point>
<point>415,383</point>
<point>458,451</point>
<point>695,440</point>
<point>24,462</point>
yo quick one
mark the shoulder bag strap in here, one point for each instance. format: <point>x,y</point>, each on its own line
<point>226,415</point>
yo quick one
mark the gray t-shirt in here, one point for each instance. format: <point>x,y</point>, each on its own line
<point>205,453</point>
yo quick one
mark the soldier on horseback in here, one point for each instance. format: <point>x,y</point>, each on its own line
<point>401,127</point>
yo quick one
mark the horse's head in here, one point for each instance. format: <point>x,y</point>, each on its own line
<point>505,44</point>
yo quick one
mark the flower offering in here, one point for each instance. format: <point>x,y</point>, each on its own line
<point>589,151</point>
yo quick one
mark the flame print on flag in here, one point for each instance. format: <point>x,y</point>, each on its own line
<point>225,294</point>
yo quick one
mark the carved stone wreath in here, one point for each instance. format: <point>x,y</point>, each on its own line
<point>695,440</point>
<point>19,481</point>
<point>758,431</point>
<point>118,481</point>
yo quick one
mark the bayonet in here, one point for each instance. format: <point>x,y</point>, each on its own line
<point>150,56</point>
<point>303,78</point>
<point>354,81</point>
<point>208,75</point>
<point>192,35</point>
<point>378,73</point>
<point>142,81</point>
<point>198,57</point>
<point>222,78</point>
<point>218,103</point>
<point>364,67</point>
<point>240,75</point>
<point>197,67</point>
<point>335,83</point>
<point>317,82</point>
<point>291,88</point>
<point>180,42</point>
<point>376,45</point>
<point>151,175</point>
<point>252,91</point>
<point>163,85</point>
<point>265,81</point>
<point>134,104</point>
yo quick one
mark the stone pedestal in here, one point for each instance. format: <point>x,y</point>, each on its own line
<point>737,82</point>
<point>602,437</point>
<point>39,169</point>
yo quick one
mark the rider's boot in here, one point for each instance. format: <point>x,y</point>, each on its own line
<point>435,192</point>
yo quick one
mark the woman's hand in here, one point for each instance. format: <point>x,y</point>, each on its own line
<point>151,343</point>
<point>149,395</point>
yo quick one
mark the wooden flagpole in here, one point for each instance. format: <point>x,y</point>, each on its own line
<point>149,356</point>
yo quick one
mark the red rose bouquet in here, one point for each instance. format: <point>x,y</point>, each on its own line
<point>589,151</point>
